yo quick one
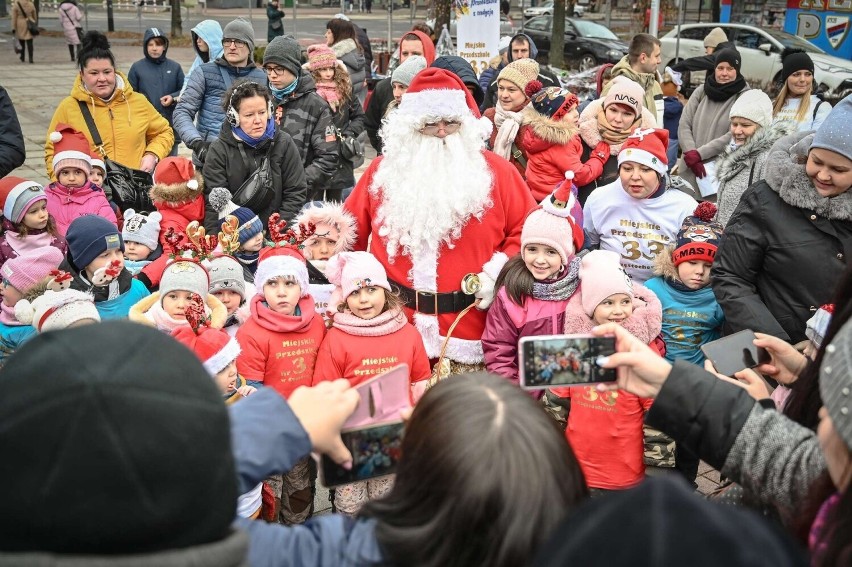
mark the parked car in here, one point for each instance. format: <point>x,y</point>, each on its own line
<point>546,9</point>
<point>761,52</point>
<point>506,26</point>
<point>587,44</point>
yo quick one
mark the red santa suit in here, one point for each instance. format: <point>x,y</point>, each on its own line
<point>481,245</point>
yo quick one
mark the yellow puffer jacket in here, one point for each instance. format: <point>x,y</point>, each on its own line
<point>128,124</point>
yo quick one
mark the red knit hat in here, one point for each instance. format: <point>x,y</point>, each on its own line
<point>70,149</point>
<point>176,171</point>
<point>438,93</point>
<point>699,236</point>
<point>647,147</point>
<point>98,161</point>
<point>552,225</point>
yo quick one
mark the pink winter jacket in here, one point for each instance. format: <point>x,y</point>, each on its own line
<point>65,204</point>
<point>507,322</point>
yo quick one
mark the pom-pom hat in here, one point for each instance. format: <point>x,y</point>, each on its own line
<point>214,347</point>
<point>552,225</point>
<point>646,147</point>
<point>320,56</point>
<point>55,310</point>
<point>437,93</point>
<point>601,275</point>
<point>278,262</point>
<point>141,228</point>
<point>70,149</point>
<point>98,161</point>
<point>25,271</point>
<point>17,195</point>
<point>248,223</point>
<point>553,102</point>
<point>698,237</point>
<point>352,271</point>
<point>176,171</point>
<point>520,73</point>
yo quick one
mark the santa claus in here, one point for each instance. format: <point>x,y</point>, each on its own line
<point>439,207</point>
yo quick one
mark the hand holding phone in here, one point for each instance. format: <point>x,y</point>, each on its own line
<point>375,449</point>
<point>563,360</point>
<point>735,352</point>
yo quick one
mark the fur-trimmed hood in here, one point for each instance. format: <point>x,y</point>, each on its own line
<point>645,323</point>
<point>343,47</point>
<point>664,264</point>
<point>333,214</point>
<point>731,163</point>
<point>176,193</point>
<point>218,311</point>
<point>788,178</point>
<point>541,132</point>
<point>588,126</point>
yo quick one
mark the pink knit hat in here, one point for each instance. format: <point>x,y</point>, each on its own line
<point>24,272</point>
<point>320,57</point>
<point>352,271</point>
<point>601,275</point>
<point>552,224</point>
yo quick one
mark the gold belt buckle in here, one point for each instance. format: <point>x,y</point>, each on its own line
<point>417,300</point>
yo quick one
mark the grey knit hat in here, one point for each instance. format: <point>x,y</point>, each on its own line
<point>834,134</point>
<point>184,276</point>
<point>404,74</point>
<point>226,273</point>
<point>284,50</point>
<point>240,29</point>
<point>835,382</point>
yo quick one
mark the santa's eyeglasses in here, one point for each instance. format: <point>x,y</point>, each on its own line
<point>433,128</point>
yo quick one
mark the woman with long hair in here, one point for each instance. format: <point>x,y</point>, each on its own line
<point>797,100</point>
<point>341,36</point>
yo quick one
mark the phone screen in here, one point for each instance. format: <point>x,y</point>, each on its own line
<point>564,360</point>
<point>375,452</point>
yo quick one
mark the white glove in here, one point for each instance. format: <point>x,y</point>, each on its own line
<point>486,291</point>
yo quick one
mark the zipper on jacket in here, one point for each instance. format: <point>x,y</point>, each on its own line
<point>111,117</point>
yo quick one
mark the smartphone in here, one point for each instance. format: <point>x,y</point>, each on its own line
<point>375,452</point>
<point>735,352</point>
<point>563,360</point>
<point>382,398</point>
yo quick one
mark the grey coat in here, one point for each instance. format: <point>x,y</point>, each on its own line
<point>704,126</point>
<point>770,455</point>
<point>737,169</point>
<point>347,51</point>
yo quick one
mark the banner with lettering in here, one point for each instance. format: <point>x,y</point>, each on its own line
<point>825,23</point>
<point>477,31</point>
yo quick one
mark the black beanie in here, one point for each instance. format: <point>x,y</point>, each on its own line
<point>114,441</point>
<point>795,60</point>
<point>729,56</point>
<point>662,522</point>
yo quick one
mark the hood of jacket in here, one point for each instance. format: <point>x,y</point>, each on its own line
<point>646,80</point>
<point>151,33</point>
<point>543,132</point>
<point>645,323</point>
<point>211,32</point>
<point>278,323</point>
<point>217,311</point>
<point>333,214</point>
<point>788,178</point>
<point>231,551</point>
<point>462,69</point>
<point>600,74</point>
<point>533,48</point>
<point>664,264</point>
<point>174,195</point>
<point>428,46</point>
<point>588,126</point>
<point>344,47</point>
<point>731,163</point>
<point>122,92</point>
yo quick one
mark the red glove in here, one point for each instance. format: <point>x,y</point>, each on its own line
<point>693,161</point>
<point>601,151</point>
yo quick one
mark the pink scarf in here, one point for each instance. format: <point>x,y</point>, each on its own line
<point>7,316</point>
<point>28,243</point>
<point>383,324</point>
<point>163,321</point>
<point>328,91</point>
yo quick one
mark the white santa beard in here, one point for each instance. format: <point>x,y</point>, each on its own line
<point>429,187</point>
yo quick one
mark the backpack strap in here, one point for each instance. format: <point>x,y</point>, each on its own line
<point>225,76</point>
<point>816,109</point>
<point>519,155</point>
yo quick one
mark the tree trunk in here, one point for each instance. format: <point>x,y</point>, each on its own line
<point>442,15</point>
<point>557,35</point>
<point>177,24</point>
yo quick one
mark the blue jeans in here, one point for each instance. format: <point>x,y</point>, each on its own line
<point>671,152</point>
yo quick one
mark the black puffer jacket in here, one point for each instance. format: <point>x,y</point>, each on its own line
<point>225,167</point>
<point>376,108</point>
<point>784,250</point>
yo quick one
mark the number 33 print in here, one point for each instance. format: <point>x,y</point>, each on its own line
<point>633,250</point>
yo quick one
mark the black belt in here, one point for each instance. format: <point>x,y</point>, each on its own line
<point>433,303</point>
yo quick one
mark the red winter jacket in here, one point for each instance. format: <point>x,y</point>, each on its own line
<point>179,206</point>
<point>280,350</point>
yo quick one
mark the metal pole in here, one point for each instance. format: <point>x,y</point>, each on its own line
<point>655,14</point>
<point>86,14</point>
<point>679,23</point>
<point>295,3</point>
<point>251,21</point>
<point>390,26</point>
<point>609,14</point>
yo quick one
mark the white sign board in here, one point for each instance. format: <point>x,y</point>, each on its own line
<point>477,31</point>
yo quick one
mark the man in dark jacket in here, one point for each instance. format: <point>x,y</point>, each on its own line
<point>462,69</point>
<point>12,153</point>
<point>207,85</point>
<point>301,112</point>
<point>157,77</point>
<point>522,46</point>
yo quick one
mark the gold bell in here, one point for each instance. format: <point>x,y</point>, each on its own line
<point>470,284</point>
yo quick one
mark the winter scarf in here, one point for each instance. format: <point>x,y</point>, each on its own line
<point>7,316</point>
<point>254,142</point>
<point>248,259</point>
<point>34,240</point>
<point>508,123</point>
<point>163,321</point>
<point>328,91</point>
<point>281,94</point>
<point>384,324</point>
<point>613,135</point>
<point>562,287</point>
<point>721,93</point>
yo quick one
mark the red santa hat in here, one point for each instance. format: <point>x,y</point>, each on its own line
<point>647,147</point>
<point>70,149</point>
<point>438,93</point>
<point>552,225</point>
<point>98,161</point>
<point>176,171</point>
<point>214,347</point>
<point>281,261</point>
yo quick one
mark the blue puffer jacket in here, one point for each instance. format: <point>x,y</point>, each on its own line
<point>158,77</point>
<point>12,337</point>
<point>203,97</point>
<point>267,438</point>
<point>211,32</point>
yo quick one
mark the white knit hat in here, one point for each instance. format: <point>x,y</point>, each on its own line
<point>754,105</point>
<point>142,228</point>
<point>55,310</point>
